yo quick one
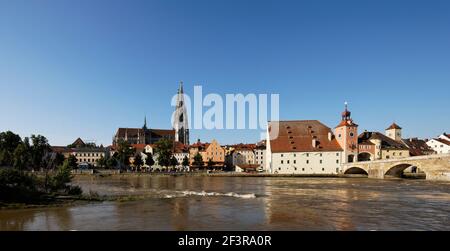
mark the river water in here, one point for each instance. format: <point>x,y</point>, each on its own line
<point>246,203</point>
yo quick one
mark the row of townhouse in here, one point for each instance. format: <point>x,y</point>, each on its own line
<point>310,147</point>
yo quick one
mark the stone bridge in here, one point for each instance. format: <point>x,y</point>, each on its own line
<point>435,167</point>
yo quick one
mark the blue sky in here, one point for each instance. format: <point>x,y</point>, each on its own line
<point>83,68</point>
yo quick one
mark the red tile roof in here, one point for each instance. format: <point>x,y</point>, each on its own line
<point>241,146</point>
<point>60,149</point>
<point>386,142</point>
<point>138,146</point>
<point>444,141</point>
<point>134,132</point>
<point>346,123</point>
<point>393,126</point>
<point>297,136</point>
<point>417,147</point>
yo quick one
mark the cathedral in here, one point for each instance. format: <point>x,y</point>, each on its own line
<point>145,135</point>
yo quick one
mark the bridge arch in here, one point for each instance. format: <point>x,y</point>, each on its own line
<point>356,170</point>
<point>397,169</point>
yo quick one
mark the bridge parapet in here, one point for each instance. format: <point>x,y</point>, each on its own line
<point>436,167</point>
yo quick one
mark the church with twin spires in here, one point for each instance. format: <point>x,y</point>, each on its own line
<point>146,135</point>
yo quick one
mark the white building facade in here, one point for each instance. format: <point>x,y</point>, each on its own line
<point>302,147</point>
<point>243,156</point>
<point>260,156</point>
<point>439,145</point>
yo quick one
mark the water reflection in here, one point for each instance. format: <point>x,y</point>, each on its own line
<point>280,204</point>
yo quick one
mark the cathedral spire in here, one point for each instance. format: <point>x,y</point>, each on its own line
<point>180,122</point>
<point>180,89</point>
<point>145,122</point>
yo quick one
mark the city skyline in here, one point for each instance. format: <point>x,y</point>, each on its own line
<point>79,70</point>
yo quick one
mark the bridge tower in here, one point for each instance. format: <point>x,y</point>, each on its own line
<point>347,136</point>
<point>394,132</point>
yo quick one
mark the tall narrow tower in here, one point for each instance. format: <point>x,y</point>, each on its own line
<point>347,136</point>
<point>180,123</point>
<point>394,132</point>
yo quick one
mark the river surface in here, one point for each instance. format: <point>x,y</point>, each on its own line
<point>246,203</point>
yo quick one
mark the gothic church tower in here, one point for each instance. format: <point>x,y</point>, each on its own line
<point>181,125</point>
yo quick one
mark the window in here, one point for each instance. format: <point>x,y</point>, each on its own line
<point>337,154</point>
<point>279,168</point>
<point>307,161</point>
<point>320,161</point>
<point>295,155</point>
<point>281,155</point>
<point>303,169</point>
<point>337,161</point>
<point>295,162</point>
<point>323,169</point>
<point>320,155</point>
<point>351,134</point>
<point>281,161</point>
<point>337,169</point>
<point>307,155</point>
<point>393,154</point>
<point>288,161</point>
<point>339,135</point>
<point>400,154</point>
<point>295,168</point>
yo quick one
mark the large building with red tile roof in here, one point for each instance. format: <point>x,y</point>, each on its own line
<point>142,135</point>
<point>302,147</point>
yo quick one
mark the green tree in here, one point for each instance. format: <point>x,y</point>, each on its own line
<point>164,150</point>
<point>8,144</point>
<point>149,160</point>
<point>185,161</point>
<point>210,163</point>
<point>60,180</point>
<point>39,150</point>
<point>5,158</point>
<point>72,162</point>
<point>124,152</point>
<point>111,162</point>
<point>173,161</point>
<point>198,161</point>
<point>22,157</point>
<point>59,159</point>
<point>137,160</point>
<point>101,162</point>
<point>17,185</point>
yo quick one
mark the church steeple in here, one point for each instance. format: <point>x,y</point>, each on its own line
<point>180,121</point>
<point>180,89</point>
<point>145,123</point>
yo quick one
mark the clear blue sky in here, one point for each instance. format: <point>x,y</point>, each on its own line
<point>82,68</point>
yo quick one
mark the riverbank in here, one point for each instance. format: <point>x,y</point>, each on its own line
<point>106,173</point>
<point>61,201</point>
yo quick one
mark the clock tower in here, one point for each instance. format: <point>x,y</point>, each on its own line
<point>347,136</point>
